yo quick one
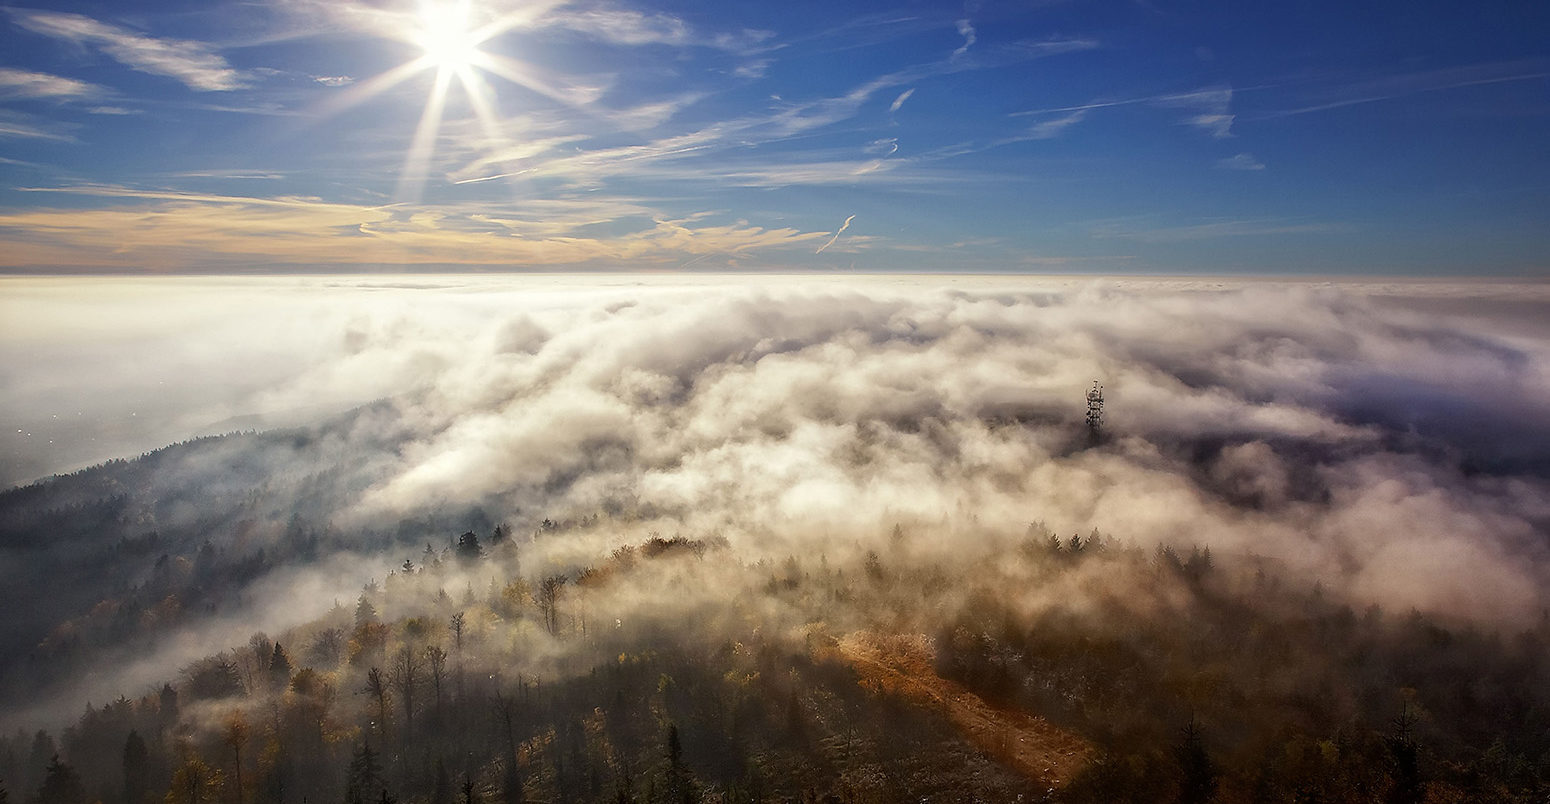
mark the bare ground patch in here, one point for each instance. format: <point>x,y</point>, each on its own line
<point>905,666</point>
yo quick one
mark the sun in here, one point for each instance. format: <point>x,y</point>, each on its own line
<point>457,43</point>
<point>449,41</point>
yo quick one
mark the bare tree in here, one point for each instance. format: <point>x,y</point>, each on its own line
<point>377,687</point>
<point>457,645</point>
<point>405,678</point>
<point>235,734</point>
<point>436,657</point>
<point>549,601</point>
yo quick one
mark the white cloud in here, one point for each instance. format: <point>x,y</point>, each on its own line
<point>1244,161</point>
<point>1054,127</point>
<point>195,64</point>
<point>27,84</point>
<point>899,101</point>
<point>630,27</point>
<point>886,146</point>
<point>1213,107</point>
<point>755,68</point>
<point>16,124</point>
<point>837,233</point>
<point>804,413</point>
<point>967,32</point>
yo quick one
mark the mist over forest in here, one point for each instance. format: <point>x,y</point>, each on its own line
<point>713,539</point>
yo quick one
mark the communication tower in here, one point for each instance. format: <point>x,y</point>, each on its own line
<point>1095,407</point>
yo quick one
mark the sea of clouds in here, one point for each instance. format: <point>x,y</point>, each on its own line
<point>1390,440</point>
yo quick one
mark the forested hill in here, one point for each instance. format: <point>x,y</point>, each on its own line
<point>119,556</point>
<point>671,670</point>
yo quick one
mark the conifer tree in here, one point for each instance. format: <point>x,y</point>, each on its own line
<point>279,668</point>
<point>1198,784</point>
<point>364,776</point>
<point>136,768</point>
<point>61,785</point>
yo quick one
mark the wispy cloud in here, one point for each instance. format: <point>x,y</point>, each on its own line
<point>886,146</point>
<point>755,68</point>
<point>195,64</point>
<point>966,31</point>
<point>27,84</point>
<point>1244,161</point>
<point>1212,108</point>
<point>543,157</point>
<point>22,126</point>
<point>1039,48</point>
<point>333,80</point>
<point>898,102</point>
<point>1403,85</point>
<point>1211,229</point>
<point>649,115</point>
<point>266,175</point>
<point>630,27</point>
<point>1052,128</point>
<point>769,173</point>
<point>170,231</point>
<point>815,114</point>
<point>837,233</point>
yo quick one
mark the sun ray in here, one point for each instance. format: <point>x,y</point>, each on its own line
<point>524,75</point>
<point>482,99</point>
<point>449,34</point>
<point>376,85</point>
<point>411,180</point>
<point>510,21</point>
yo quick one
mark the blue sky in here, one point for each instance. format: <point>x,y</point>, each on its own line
<point>1239,138</point>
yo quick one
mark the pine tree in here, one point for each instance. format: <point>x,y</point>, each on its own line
<point>364,612</point>
<point>1198,784</point>
<point>279,668</point>
<point>1405,754</point>
<point>468,548</point>
<point>136,769</point>
<point>61,785</point>
<point>364,776</point>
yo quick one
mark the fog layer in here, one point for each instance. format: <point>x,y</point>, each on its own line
<point>1392,443</point>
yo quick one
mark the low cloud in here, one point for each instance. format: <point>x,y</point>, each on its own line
<point>1241,417</point>
<point>183,231</point>
<point>1386,442</point>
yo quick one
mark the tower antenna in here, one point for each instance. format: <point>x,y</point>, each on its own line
<point>1095,407</point>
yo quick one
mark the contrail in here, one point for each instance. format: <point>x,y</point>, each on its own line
<point>493,178</point>
<point>843,227</point>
